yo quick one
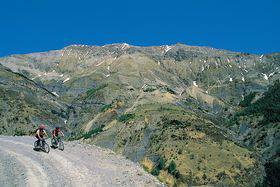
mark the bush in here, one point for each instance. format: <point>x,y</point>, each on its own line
<point>167,122</point>
<point>170,90</point>
<point>19,132</point>
<point>192,156</point>
<point>149,88</point>
<point>155,171</point>
<point>92,91</point>
<point>161,163</point>
<point>180,151</point>
<point>126,117</point>
<point>93,132</point>
<point>106,107</point>
<point>160,166</point>
<point>172,167</point>
<point>221,175</point>
<point>247,99</point>
<point>268,105</point>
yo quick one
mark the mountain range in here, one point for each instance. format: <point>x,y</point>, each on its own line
<point>190,115</point>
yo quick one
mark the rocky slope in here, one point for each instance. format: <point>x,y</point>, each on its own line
<point>172,108</point>
<point>25,104</point>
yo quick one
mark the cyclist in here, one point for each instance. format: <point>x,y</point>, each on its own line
<point>41,134</point>
<point>55,134</point>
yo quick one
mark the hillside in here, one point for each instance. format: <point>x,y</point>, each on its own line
<point>259,124</point>
<point>175,109</point>
<point>25,104</point>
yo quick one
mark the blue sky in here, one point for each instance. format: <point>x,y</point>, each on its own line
<point>40,25</point>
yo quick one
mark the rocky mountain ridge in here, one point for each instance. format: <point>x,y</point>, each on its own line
<point>159,105</point>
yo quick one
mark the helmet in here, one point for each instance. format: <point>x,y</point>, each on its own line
<point>42,126</point>
<point>57,128</point>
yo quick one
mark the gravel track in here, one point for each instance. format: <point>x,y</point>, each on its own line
<point>78,165</point>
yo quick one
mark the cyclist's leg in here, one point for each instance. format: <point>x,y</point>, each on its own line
<point>42,141</point>
<point>58,139</point>
<point>37,141</point>
<point>53,141</point>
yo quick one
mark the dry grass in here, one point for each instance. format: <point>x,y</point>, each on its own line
<point>147,164</point>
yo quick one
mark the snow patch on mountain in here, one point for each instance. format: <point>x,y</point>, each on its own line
<point>55,94</point>
<point>265,76</point>
<point>100,63</point>
<point>67,79</point>
<point>202,69</point>
<point>271,74</point>
<point>167,48</point>
<point>125,46</point>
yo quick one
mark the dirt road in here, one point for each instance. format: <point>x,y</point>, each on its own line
<point>78,165</point>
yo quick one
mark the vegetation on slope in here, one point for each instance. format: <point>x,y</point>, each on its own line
<point>268,105</point>
<point>264,117</point>
<point>24,105</point>
<point>168,107</point>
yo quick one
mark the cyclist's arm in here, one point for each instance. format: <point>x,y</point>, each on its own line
<point>62,134</point>
<point>46,134</point>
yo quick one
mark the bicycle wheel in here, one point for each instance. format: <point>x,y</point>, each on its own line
<point>36,144</point>
<point>46,147</point>
<point>61,145</point>
<point>53,143</point>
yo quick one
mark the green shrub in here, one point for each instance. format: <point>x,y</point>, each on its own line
<point>92,91</point>
<point>170,90</point>
<point>268,105</point>
<point>19,132</point>
<point>167,122</point>
<point>247,99</point>
<point>93,132</point>
<point>161,163</point>
<point>149,88</point>
<point>126,117</point>
<point>159,166</point>
<point>172,167</point>
<point>180,151</point>
<point>155,171</point>
<point>192,156</point>
<point>106,107</point>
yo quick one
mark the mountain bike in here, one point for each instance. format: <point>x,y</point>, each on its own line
<point>57,143</point>
<point>42,145</point>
